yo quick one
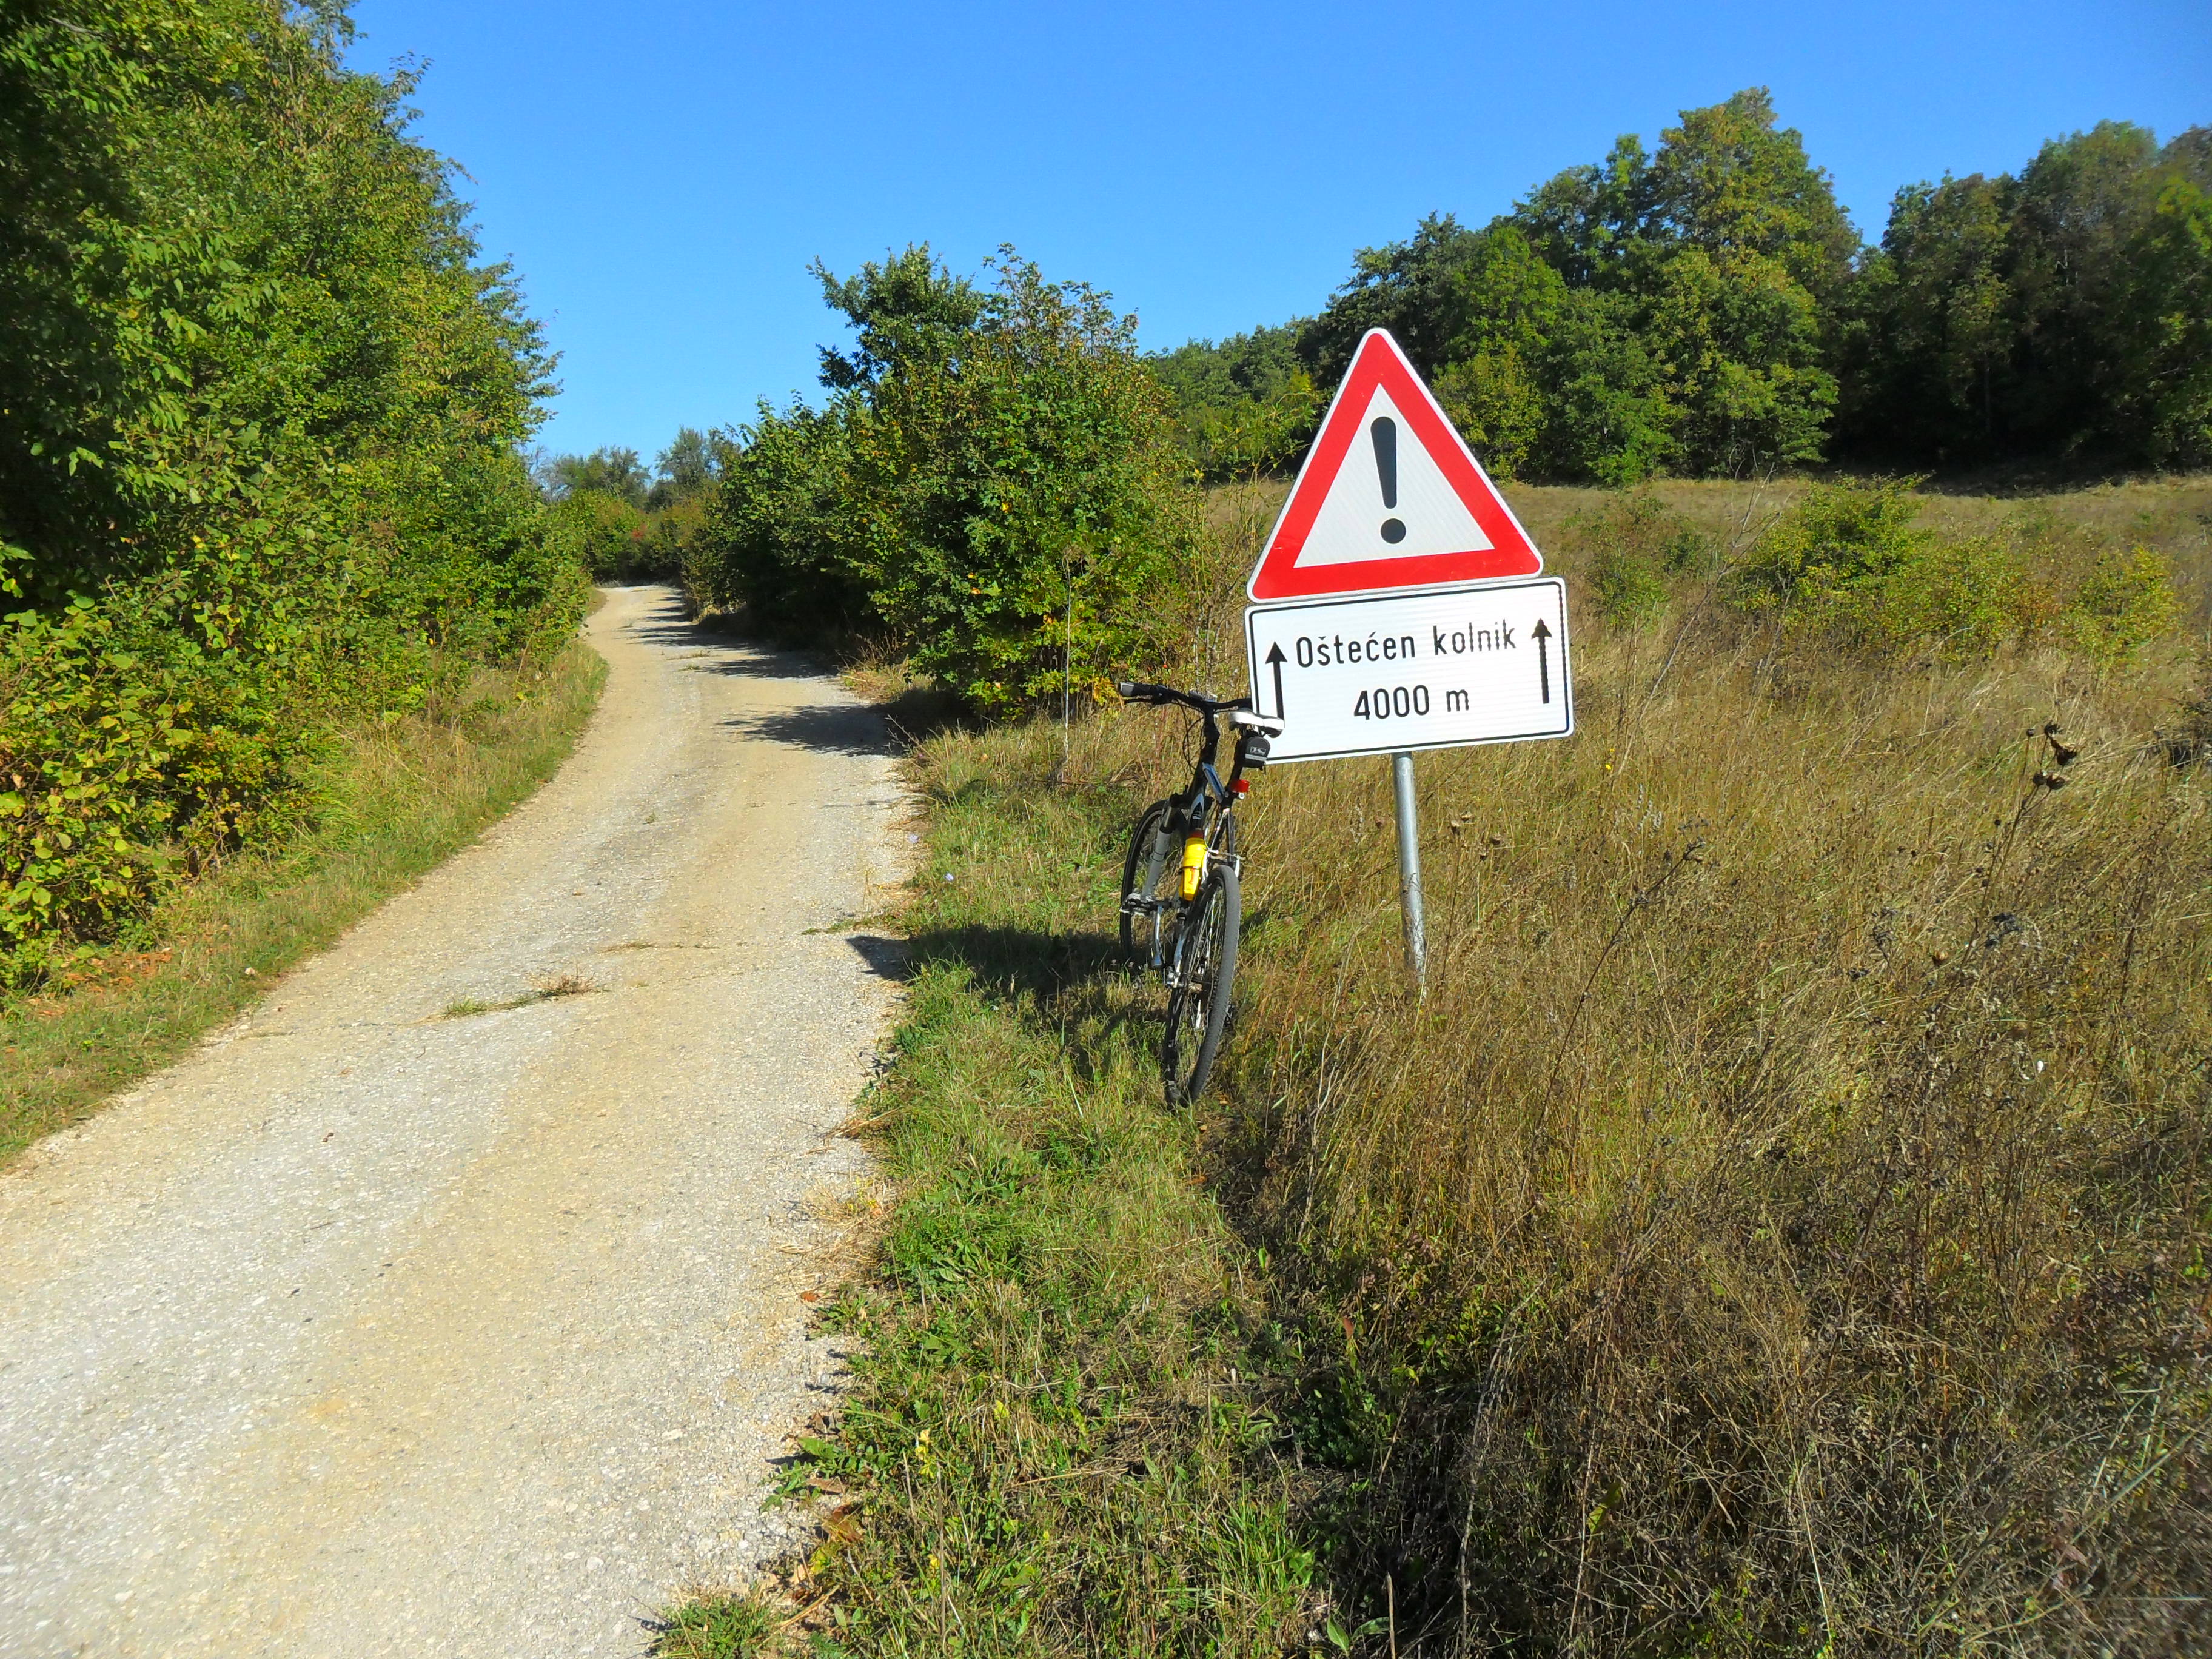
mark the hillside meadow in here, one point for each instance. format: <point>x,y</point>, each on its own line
<point>1782,1228</point>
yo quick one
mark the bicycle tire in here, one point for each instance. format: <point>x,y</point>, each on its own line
<point>1152,857</point>
<point>1205,976</point>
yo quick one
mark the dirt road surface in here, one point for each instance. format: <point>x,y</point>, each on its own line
<point>373,1329</point>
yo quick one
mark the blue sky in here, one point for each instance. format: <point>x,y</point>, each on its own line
<point>662,172</point>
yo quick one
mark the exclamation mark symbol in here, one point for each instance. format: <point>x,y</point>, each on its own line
<point>1384,431</point>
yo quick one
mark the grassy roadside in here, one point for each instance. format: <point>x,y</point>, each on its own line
<point>399,800</point>
<point>1784,1230</point>
<point>1063,1440</point>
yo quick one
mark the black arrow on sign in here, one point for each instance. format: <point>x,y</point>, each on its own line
<point>1275,662</point>
<point>1543,660</point>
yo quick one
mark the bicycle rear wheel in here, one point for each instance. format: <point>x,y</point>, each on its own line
<point>1205,975</point>
<point>1152,873</point>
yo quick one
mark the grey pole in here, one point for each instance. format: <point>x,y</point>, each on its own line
<point>1409,872</point>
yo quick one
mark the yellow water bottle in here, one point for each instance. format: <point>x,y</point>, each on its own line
<point>1193,866</point>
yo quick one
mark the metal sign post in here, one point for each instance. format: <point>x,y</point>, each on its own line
<point>1409,872</point>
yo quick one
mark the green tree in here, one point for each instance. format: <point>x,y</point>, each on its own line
<point>1585,221</point>
<point>1029,473</point>
<point>1929,324</point>
<point>1246,405</point>
<point>1718,253</point>
<point>780,539</point>
<point>2163,411</point>
<point>683,469</point>
<point>2059,314</point>
<point>2078,203</point>
<point>1609,413</point>
<point>1729,181</point>
<point>906,311</point>
<point>1654,310</point>
<point>1202,375</point>
<point>260,412</point>
<point>995,459</point>
<point>611,471</point>
<point>1737,340</point>
<point>1509,306</point>
<point>610,536</point>
<point>1416,288</point>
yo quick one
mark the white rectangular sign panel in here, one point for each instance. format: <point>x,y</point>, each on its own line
<point>1433,668</point>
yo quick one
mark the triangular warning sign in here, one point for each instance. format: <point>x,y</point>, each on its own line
<point>1388,496</point>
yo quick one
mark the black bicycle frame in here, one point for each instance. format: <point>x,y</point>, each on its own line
<point>1192,811</point>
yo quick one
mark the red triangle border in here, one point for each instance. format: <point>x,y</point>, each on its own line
<point>1380,362</point>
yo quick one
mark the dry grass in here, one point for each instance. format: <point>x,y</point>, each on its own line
<point>399,799</point>
<point>563,985</point>
<point>1784,1227</point>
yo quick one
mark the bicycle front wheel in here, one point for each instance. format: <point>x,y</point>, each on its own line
<point>1151,876</point>
<point>1204,974</point>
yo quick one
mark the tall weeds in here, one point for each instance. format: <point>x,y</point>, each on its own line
<point>1783,1227</point>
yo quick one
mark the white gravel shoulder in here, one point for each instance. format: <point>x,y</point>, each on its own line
<point>366,1331</point>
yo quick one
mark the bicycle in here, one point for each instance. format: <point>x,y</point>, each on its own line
<point>1181,908</point>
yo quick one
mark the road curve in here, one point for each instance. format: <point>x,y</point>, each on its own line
<point>369,1330</point>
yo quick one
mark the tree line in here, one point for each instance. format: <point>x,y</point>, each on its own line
<point>261,406</point>
<point>1708,308</point>
<point>997,479</point>
<point>622,521</point>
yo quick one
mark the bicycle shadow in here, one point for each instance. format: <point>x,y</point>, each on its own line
<point>1072,976</point>
<point>1021,961</point>
<point>1078,985</point>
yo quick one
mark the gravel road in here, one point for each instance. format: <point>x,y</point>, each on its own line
<point>373,1330</point>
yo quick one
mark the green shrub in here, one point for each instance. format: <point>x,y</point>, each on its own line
<point>128,749</point>
<point>1634,543</point>
<point>1260,437</point>
<point>2127,602</point>
<point>260,412</point>
<point>1961,598</point>
<point>1839,536</point>
<point>607,536</point>
<point>1965,597</point>
<point>995,484</point>
<point>1848,564</point>
<point>1243,407</point>
<point>1628,590</point>
<point>777,541</point>
<point>619,522</point>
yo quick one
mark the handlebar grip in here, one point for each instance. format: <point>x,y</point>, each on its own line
<point>1125,688</point>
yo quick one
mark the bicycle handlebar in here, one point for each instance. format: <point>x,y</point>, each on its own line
<point>1139,691</point>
